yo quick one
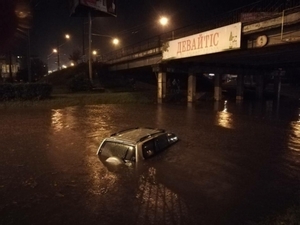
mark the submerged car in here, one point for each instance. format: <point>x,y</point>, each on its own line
<point>134,145</point>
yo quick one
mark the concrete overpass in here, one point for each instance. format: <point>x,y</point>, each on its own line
<point>268,44</point>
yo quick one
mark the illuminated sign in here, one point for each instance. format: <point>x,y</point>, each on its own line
<point>221,39</point>
<point>95,7</point>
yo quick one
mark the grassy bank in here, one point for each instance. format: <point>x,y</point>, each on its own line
<point>75,99</point>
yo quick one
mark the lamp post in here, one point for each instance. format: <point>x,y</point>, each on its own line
<point>57,50</point>
<point>164,21</point>
<point>115,41</point>
<point>48,57</point>
<point>95,53</point>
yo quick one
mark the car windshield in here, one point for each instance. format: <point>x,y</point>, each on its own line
<point>116,149</point>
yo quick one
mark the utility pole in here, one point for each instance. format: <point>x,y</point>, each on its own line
<point>28,57</point>
<point>58,51</point>
<point>10,67</point>
<point>90,48</point>
<point>83,47</point>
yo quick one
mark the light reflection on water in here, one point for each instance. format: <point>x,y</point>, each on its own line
<point>291,165</point>
<point>56,119</point>
<point>62,118</point>
<point>294,137</point>
<point>225,118</point>
<point>294,143</point>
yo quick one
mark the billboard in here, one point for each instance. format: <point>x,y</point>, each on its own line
<point>99,8</point>
<point>221,39</point>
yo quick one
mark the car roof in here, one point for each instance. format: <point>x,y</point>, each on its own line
<point>136,134</point>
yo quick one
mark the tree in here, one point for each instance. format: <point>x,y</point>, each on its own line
<point>38,70</point>
<point>75,56</point>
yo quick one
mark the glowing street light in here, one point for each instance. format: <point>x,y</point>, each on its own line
<point>115,41</point>
<point>164,21</point>
<point>95,53</point>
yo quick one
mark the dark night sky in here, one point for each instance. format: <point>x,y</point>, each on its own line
<point>136,20</point>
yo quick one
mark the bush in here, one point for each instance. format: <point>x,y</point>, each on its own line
<point>25,91</point>
<point>7,91</point>
<point>79,83</point>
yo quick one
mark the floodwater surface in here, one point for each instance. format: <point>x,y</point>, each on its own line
<point>234,164</point>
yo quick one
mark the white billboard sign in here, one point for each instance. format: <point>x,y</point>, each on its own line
<point>212,41</point>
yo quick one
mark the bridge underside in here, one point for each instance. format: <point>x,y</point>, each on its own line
<point>265,58</point>
<point>268,58</point>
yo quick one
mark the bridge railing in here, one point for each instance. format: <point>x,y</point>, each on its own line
<point>151,43</point>
<point>227,18</point>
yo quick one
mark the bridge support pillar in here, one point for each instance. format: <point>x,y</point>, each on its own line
<point>259,86</point>
<point>218,88</point>
<point>161,87</point>
<point>191,95</point>
<point>240,88</point>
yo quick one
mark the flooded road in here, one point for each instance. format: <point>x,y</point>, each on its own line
<point>234,163</point>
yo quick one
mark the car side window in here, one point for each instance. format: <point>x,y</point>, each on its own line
<point>148,149</point>
<point>161,142</point>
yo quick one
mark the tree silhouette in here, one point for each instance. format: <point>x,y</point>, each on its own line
<point>75,56</point>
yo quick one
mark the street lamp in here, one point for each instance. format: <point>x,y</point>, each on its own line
<point>57,50</point>
<point>115,41</point>
<point>48,57</point>
<point>164,21</point>
<point>94,55</point>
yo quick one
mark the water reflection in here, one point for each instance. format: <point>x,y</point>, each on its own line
<point>224,118</point>
<point>62,118</point>
<point>102,183</point>
<point>157,203</point>
<point>56,119</point>
<point>294,137</point>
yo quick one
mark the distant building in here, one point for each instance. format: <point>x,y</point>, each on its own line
<point>9,66</point>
